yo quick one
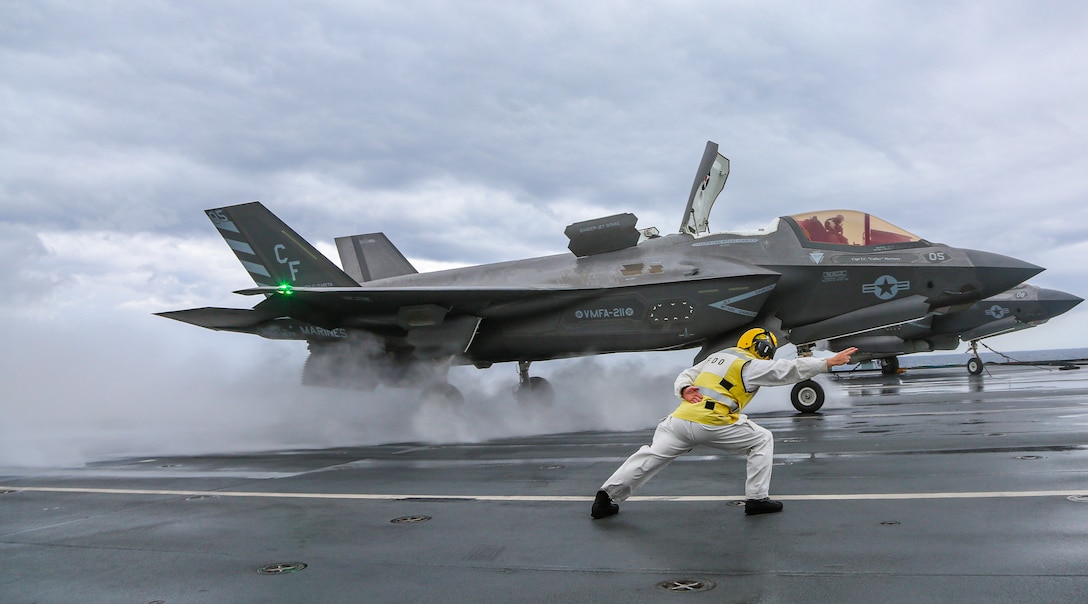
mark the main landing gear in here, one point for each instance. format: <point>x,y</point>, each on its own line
<point>533,390</point>
<point>442,393</point>
<point>889,365</point>
<point>342,365</point>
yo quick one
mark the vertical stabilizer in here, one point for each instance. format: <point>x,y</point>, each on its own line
<point>372,256</point>
<point>272,252</point>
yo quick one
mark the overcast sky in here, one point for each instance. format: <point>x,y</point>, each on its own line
<point>474,132</point>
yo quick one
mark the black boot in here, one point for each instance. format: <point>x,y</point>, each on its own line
<point>603,506</point>
<point>762,506</point>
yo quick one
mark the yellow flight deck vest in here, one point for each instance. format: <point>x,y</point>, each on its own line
<point>723,391</point>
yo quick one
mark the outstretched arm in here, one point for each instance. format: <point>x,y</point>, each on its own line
<point>840,358</point>
<point>780,372</point>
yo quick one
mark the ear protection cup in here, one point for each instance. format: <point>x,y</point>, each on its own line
<point>760,341</point>
<point>765,348</point>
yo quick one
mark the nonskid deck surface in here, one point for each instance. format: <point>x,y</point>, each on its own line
<point>928,486</point>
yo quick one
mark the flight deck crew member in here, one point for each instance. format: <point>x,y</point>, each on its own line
<point>714,393</point>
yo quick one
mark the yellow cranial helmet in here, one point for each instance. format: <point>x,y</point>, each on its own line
<point>759,341</point>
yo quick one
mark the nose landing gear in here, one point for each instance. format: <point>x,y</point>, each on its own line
<point>807,396</point>
<point>974,364</point>
<point>889,365</point>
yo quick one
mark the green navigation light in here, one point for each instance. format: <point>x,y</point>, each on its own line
<point>286,289</point>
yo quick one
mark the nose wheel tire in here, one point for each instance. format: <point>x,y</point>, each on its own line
<point>807,396</point>
<point>974,366</point>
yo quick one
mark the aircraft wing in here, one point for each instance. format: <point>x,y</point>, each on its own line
<point>415,289</point>
<point>323,313</point>
<point>472,296</point>
<point>442,320</point>
<point>369,306</point>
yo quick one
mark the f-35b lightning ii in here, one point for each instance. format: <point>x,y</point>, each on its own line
<point>809,277</point>
<point>1021,307</point>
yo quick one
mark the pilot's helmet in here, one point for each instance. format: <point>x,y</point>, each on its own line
<point>759,342</point>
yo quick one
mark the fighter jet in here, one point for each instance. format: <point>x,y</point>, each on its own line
<point>810,276</point>
<point>1021,307</point>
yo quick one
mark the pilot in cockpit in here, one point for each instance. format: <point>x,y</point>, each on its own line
<point>834,229</point>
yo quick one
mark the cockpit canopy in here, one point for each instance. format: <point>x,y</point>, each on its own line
<point>849,228</point>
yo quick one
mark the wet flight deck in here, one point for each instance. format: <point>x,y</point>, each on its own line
<point>928,486</point>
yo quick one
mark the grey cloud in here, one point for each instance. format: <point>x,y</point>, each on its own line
<point>545,102</point>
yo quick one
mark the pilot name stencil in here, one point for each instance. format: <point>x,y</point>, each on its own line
<point>874,259</point>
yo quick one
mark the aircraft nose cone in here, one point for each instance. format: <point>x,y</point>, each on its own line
<point>1056,302</point>
<point>998,273</point>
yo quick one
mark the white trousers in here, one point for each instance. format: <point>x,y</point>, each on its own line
<point>674,437</point>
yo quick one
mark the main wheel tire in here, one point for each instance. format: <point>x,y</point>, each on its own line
<point>338,370</point>
<point>321,369</point>
<point>442,394</point>
<point>807,396</point>
<point>538,391</point>
<point>974,366</point>
<point>889,365</point>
